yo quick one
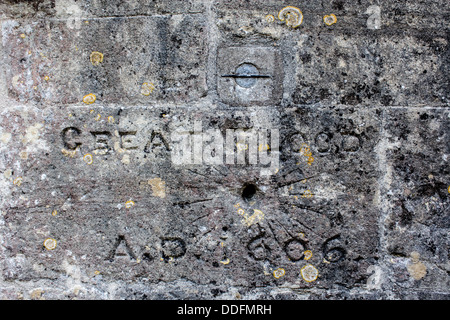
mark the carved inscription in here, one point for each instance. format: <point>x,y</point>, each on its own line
<point>343,142</point>
<point>333,250</point>
<point>172,248</point>
<point>70,137</point>
<point>103,142</point>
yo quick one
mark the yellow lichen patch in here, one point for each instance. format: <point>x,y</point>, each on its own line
<point>96,272</point>
<point>270,18</point>
<point>241,146</point>
<point>89,98</point>
<point>111,119</point>
<point>46,78</point>
<point>50,244</point>
<point>308,254</point>
<point>309,273</point>
<point>68,153</point>
<point>292,15</point>
<point>54,213</point>
<point>18,181</point>
<point>22,35</point>
<point>330,19</point>
<point>256,217</point>
<point>237,205</point>
<point>36,294</point>
<point>158,187</point>
<point>305,150</point>
<point>225,262</point>
<point>147,88</point>
<point>98,117</point>
<point>129,204</point>
<point>88,158</point>
<point>96,58</point>
<point>307,194</point>
<point>278,273</point>
<point>263,147</point>
<point>448,189</point>
<point>417,269</point>
<point>241,211</point>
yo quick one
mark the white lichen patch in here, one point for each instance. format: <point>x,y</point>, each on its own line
<point>147,88</point>
<point>158,187</point>
<point>309,273</point>
<point>7,173</point>
<point>291,15</point>
<point>129,204</point>
<point>126,159</point>
<point>278,273</point>
<point>88,158</point>
<point>416,269</point>
<point>308,254</point>
<point>32,133</point>
<point>50,244</point>
<point>330,19</point>
<point>18,181</point>
<point>89,98</point>
<point>5,137</point>
<point>96,58</point>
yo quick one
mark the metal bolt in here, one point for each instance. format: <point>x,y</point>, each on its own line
<point>246,75</point>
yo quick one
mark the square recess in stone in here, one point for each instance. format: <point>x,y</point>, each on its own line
<point>249,75</point>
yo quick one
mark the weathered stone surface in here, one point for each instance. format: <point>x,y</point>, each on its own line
<point>343,194</point>
<point>417,221</point>
<point>364,70</point>
<point>50,60</point>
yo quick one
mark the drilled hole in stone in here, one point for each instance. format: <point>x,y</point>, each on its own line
<point>249,192</point>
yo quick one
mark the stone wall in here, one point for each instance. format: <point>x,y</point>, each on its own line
<point>117,119</point>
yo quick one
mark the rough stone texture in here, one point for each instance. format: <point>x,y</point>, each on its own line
<point>361,192</point>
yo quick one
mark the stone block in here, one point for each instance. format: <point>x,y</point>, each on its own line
<point>417,174</point>
<point>119,60</point>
